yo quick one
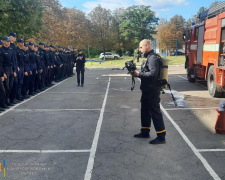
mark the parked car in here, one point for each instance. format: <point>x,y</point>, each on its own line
<point>109,55</point>
<point>179,53</point>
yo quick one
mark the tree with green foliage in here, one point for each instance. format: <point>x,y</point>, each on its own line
<point>21,16</point>
<point>101,19</point>
<point>139,22</point>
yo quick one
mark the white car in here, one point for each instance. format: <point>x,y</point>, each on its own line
<point>109,55</point>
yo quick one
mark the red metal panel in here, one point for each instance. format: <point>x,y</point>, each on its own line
<point>211,22</point>
<point>222,15</point>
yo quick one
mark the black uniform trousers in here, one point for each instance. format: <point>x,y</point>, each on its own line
<point>12,95</point>
<point>20,77</point>
<point>43,77</point>
<point>57,73</point>
<point>26,82</point>
<point>150,110</point>
<point>37,81</point>
<point>32,82</point>
<point>80,71</point>
<point>47,77</point>
<point>2,93</point>
<point>8,83</point>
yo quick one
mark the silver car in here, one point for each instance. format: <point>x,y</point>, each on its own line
<point>109,55</point>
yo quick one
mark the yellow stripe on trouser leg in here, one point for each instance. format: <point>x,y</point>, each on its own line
<point>146,128</point>
<point>0,167</point>
<point>158,132</point>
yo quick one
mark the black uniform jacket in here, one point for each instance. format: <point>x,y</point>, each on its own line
<point>80,63</point>
<point>8,59</point>
<point>149,74</point>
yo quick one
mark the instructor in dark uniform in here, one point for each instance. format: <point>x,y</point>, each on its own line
<point>150,99</point>
<point>80,63</point>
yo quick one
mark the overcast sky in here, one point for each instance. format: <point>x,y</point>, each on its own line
<point>163,8</point>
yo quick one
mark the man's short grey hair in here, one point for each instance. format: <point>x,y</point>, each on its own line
<point>147,41</point>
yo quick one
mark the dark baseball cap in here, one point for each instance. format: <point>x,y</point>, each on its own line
<point>60,46</point>
<point>6,38</point>
<point>79,50</point>
<point>13,34</point>
<point>41,43</point>
<point>31,43</point>
<point>52,46</point>
<point>25,44</point>
<point>20,41</point>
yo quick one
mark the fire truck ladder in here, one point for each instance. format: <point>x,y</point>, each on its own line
<point>213,11</point>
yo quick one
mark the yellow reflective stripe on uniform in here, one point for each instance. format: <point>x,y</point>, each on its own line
<point>146,128</point>
<point>160,131</point>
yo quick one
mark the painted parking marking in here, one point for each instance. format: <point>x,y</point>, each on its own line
<point>211,150</point>
<point>182,77</point>
<point>193,148</point>
<point>183,109</point>
<point>72,92</point>
<point>195,83</point>
<point>10,109</point>
<point>52,110</point>
<point>45,151</point>
<point>96,138</point>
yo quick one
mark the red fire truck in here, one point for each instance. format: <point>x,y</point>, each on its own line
<point>205,50</point>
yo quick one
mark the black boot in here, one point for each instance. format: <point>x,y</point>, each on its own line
<point>158,140</point>
<point>7,102</point>
<point>142,135</point>
<point>1,110</point>
<point>4,106</point>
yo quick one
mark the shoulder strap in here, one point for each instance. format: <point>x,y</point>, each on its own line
<point>160,64</point>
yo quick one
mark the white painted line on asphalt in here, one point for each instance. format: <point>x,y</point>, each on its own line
<point>52,110</point>
<point>73,93</point>
<point>182,77</point>
<point>44,151</point>
<point>211,150</point>
<point>175,109</point>
<point>195,83</point>
<point>196,152</point>
<point>96,137</point>
<point>13,107</point>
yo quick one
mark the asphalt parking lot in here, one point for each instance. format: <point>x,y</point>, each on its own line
<point>73,133</point>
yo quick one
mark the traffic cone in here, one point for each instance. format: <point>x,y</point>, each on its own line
<point>220,122</point>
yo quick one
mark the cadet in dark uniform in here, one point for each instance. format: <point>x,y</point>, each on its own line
<point>62,60</point>
<point>52,63</point>
<point>20,61</point>
<point>13,92</point>
<point>58,66</point>
<point>80,64</point>
<point>47,66</point>
<point>33,67</point>
<point>73,58</point>
<point>39,70</point>
<point>27,73</point>
<point>2,89</point>
<point>150,100</point>
<point>9,67</point>
<point>41,51</point>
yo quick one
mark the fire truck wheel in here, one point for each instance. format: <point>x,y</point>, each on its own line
<point>213,88</point>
